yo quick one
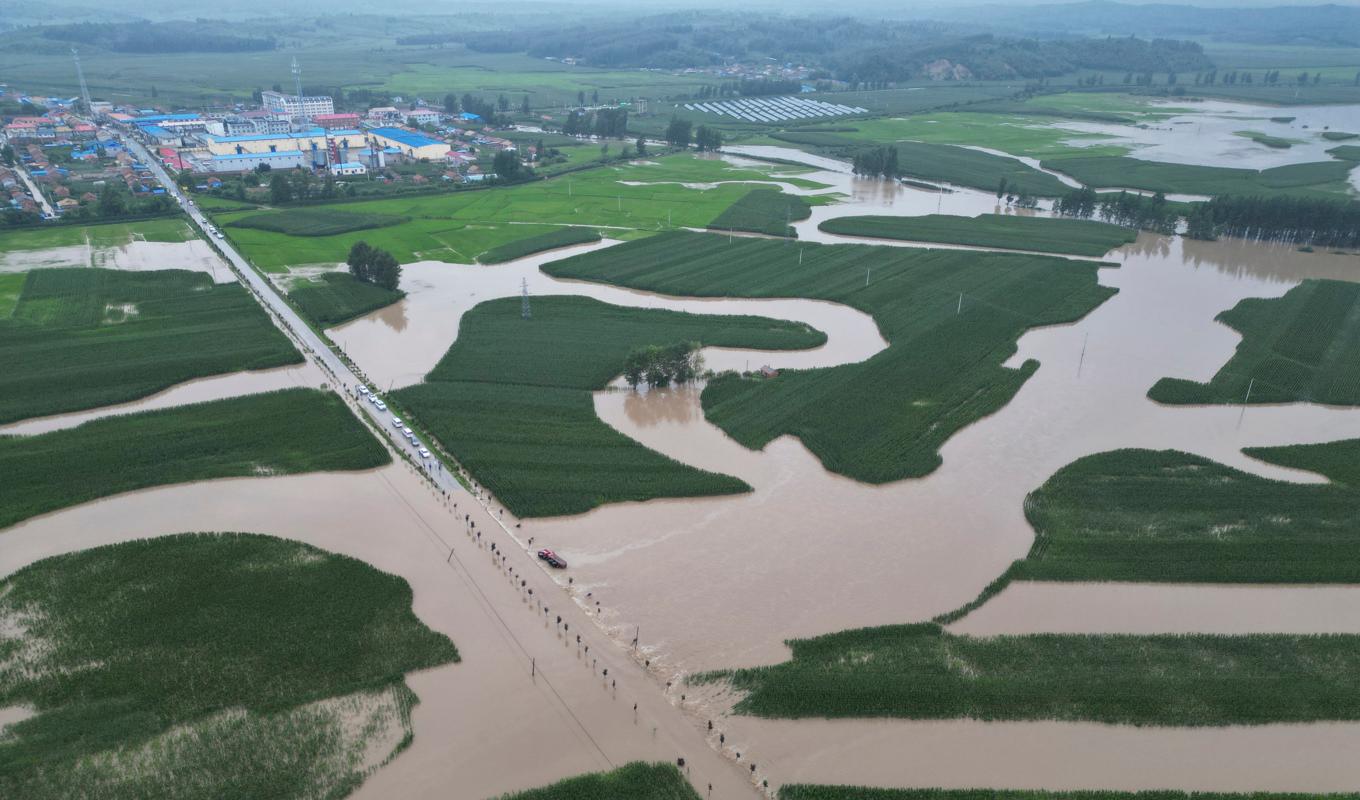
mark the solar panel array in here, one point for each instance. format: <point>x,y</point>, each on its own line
<point>775,109</point>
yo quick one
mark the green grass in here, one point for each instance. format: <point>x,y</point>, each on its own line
<point>1017,128</point>
<point>1302,347</point>
<point>1346,152</point>
<point>767,211</point>
<point>634,781</point>
<point>1339,136</point>
<point>511,400</point>
<point>82,338</point>
<point>112,234</point>
<point>459,227</point>
<point>883,419</point>
<point>1040,234</point>
<point>336,297</point>
<point>1314,179</point>
<point>1276,142</point>
<point>553,239</point>
<point>805,791</point>
<point>923,672</point>
<point>230,666</point>
<point>1153,516</point>
<point>278,433</point>
<point>315,221</point>
<point>944,162</point>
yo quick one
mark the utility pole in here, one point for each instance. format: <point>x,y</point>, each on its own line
<point>524,311</point>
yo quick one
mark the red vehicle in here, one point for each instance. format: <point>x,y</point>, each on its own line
<point>552,558</point>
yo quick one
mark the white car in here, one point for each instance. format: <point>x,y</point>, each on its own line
<point>380,405</point>
<point>424,453</point>
<point>396,423</point>
<point>407,432</point>
<point>363,390</point>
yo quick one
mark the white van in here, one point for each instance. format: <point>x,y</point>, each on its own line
<point>396,422</point>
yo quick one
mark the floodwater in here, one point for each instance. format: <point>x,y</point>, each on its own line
<point>1043,607</point>
<point>195,254</point>
<point>523,708</point>
<point>200,390</point>
<point>1207,134</point>
<point>396,346</point>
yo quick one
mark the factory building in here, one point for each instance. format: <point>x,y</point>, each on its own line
<point>293,106</point>
<point>416,146</point>
<point>336,121</point>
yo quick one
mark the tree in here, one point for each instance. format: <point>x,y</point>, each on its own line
<point>257,96</point>
<point>595,97</point>
<point>112,201</point>
<point>280,190</point>
<point>506,165</point>
<point>384,270</point>
<point>1001,188</point>
<point>524,105</point>
<point>451,103</point>
<point>503,104</point>
<point>581,97</point>
<point>678,132</point>
<point>707,139</point>
<point>641,146</point>
<point>360,255</point>
<point>7,155</point>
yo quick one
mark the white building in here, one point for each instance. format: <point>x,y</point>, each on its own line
<point>293,106</point>
<point>349,168</point>
<point>423,116</point>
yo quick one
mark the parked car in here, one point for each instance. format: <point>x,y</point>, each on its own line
<point>424,453</point>
<point>397,423</point>
<point>363,390</point>
<point>553,559</point>
<point>407,432</point>
<point>380,405</point>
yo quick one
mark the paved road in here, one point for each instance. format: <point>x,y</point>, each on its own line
<point>728,780</point>
<point>38,196</point>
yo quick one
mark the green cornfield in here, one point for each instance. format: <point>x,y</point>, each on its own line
<point>951,319</point>
<point>337,297</point>
<point>511,400</point>
<point>277,433</point>
<point>316,221</point>
<point>1302,347</point>
<point>767,211</point>
<point>1145,515</point>
<point>634,781</point>
<point>1078,237</point>
<point>233,666</point>
<point>560,237</point>
<point>84,338</point>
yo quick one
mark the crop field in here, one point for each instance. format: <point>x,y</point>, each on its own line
<point>336,297</point>
<point>922,671</point>
<point>634,781</point>
<point>315,221</point>
<point>804,791</point>
<point>458,227</point>
<point>1154,516</point>
<point>1040,234</point>
<point>113,234</point>
<point>951,319</point>
<point>83,338</point>
<point>1339,136</point>
<point>942,162</point>
<point>766,211</point>
<point>553,239</point>
<point>1302,347</point>
<point>908,100</point>
<point>1315,179</point>
<point>511,400</point>
<point>277,433</point>
<point>1277,142</point>
<point>11,284</point>
<point>1346,152</point>
<point>259,666</point>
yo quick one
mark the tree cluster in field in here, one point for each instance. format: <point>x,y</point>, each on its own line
<point>297,184</point>
<point>879,162</point>
<point>374,265</point>
<point>611,123</point>
<point>1122,208</point>
<point>659,366</point>
<point>1329,223</point>
<point>681,133</point>
<point>508,167</point>
<point>160,37</point>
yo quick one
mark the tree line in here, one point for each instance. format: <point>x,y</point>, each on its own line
<point>659,366</point>
<point>160,37</point>
<point>1297,220</point>
<point>373,265</point>
<point>1120,208</point>
<point>682,133</point>
<point>610,123</point>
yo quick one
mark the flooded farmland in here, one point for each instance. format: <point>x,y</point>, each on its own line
<point>138,256</point>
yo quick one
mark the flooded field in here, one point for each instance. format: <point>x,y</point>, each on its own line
<point>478,721</point>
<point>201,390</point>
<point>1207,134</point>
<point>195,254</point>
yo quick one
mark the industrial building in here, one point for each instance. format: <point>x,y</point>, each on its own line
<point>413,145</point>
<point>293,106</point>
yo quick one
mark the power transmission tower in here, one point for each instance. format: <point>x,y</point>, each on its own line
<point>84,89</point>
<point>524,310</point>
<point>297,81</point>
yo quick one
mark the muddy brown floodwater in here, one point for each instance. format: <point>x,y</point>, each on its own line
<point>195,254</point>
